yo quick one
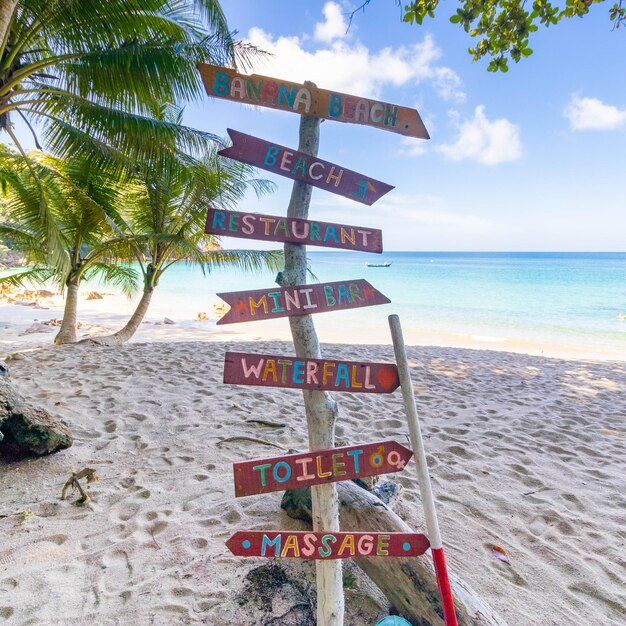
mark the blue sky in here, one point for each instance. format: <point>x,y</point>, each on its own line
<point>530,160</point>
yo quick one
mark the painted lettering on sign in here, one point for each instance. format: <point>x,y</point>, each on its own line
<point>320,374</point>
<point>292,230</point>
<point>316,545</point>
<point>221,82</point>
<point>304,168</point>
<point>293,471</point>
<point>264,304</point>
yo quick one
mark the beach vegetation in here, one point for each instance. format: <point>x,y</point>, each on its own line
<point>63,215</point>
<point>503,28</point>
<point>91,73</point>
<point>166,208</point>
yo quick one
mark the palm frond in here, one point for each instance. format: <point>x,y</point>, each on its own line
<point>123,277</point>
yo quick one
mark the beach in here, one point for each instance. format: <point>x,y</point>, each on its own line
<point>526,453</point>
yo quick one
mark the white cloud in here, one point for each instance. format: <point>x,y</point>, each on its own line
<point>334,26</point>
<point>354,68</point>
<point>486,142</point>
<point>431,210</point>
<point>412,147</point>
<point>593,114</point>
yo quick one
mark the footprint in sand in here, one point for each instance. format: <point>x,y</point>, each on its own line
<point>116,572</point>
<point>6,612</point>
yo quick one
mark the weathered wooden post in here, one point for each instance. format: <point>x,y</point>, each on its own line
<point>320,408</point>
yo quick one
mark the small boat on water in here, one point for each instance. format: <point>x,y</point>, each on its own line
<point>385,264</point>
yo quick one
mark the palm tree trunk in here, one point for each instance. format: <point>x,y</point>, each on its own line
<point>7,8</point>
<point>123,335</point>
<point>67,332</point>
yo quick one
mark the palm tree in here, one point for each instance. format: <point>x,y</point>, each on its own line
<point>93,72</point>
<point>167,208</point>
<point>80,208</point>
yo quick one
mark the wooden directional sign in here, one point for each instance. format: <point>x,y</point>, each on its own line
<point>221,82</point>
<point>292,230</point>
<point>265,304</point>
<point>304,168</point>
<point>322,466</point>
<point>267,370</point>
<point>311,545</point>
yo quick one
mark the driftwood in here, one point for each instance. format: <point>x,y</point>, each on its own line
<point>320,407</point>
<point>408,584</point>
<point>27,430</point>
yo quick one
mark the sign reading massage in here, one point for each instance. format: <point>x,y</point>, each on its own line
<point>294,471</point>
<point>267,370</point>
<point>221,82</point>
<point>304,168</point>
<point>292,230</point>
<point>310,545</point>
<point>265,304</point>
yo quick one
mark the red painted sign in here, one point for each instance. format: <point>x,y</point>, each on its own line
<point>293,471</point>
<point>304,168</point>
<point>265,304</point>
<point>267,370</point>
<point>325,546</point>
<point>292,230</point>
<point>221,82</point>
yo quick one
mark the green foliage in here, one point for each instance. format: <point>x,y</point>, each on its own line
<point>96,72</point>
<point>503,27</point>
<point>62,213</point>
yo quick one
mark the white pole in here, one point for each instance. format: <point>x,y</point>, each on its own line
<point>423,477</point>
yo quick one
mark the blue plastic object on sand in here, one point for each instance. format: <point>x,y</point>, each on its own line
<point>393,620</point>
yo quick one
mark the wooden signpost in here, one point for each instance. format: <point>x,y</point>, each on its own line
<point>322,546</point>
<point>266,370</point>
<point>294,471</point>
<point>221,82</point>
<point>303,167</point>
<point>265,304</point>
<point>324,464</point>
<point>292,230</point>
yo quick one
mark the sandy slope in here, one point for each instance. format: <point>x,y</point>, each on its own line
<point>526,453</point>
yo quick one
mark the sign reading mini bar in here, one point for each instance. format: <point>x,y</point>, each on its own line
<point>265,304</point>
<point>267,370</point>
<point>221,82</point>
<point>292,230</point>
<point>304,168</point>
<point>312,545</point>
<point>293,471</point>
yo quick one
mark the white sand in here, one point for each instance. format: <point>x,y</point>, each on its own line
<point>525,452</point>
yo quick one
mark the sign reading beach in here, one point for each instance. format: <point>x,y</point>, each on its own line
<point>294,471</point>
<point>304,168</point>
<point>265,304</point>
<point>221,82</point>
<point>267,370</point>
<point>292,230</point>
<point>311,545</point>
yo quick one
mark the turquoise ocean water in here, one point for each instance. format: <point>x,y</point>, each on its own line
<point>572,299</point>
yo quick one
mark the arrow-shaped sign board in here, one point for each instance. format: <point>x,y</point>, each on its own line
<point>221,82</point>
<point>325,546</point>
<point>293,471</point>
<point>265,304</point>
<point>304,168</point>
<point>265,370</point>
<point>292,230</point>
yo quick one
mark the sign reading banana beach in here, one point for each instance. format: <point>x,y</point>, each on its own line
<point>221,82</point>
